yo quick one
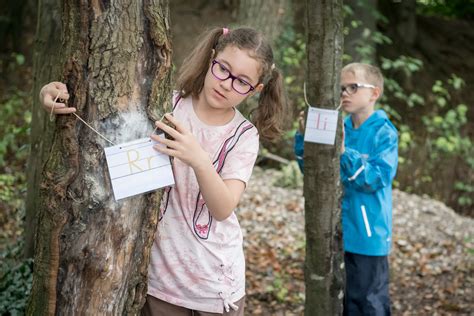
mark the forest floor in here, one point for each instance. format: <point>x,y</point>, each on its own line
<point>431,264</point>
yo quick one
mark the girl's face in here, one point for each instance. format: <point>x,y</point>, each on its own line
<point>243,69</point>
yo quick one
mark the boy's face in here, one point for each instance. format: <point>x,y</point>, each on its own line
<point>362,99</point>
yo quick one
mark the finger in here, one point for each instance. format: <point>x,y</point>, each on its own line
<point>64,110</point>
<point>163,141</point>
<point>178,126</point>
<point>167,129</point>
<point>165,150</point>
<point>48,104</point>
<point>60,86</point>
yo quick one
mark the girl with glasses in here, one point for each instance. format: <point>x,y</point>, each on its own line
<point>197,262</point>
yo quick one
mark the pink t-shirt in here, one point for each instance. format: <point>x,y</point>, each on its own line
<point>196,261</point>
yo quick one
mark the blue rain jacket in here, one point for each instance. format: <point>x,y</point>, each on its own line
<point>368,167</point>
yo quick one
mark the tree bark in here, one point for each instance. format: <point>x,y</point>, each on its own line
<point>322,188</point>
<point>92,253</point>
<point>45,65</point>
<point>266,16</point>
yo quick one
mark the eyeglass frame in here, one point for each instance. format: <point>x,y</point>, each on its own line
<point>357,85</point>
<point>214,62</point>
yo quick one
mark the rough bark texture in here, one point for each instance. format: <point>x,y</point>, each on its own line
<point>92,253</point>
<point>46,68</point>
<point>322,188</point>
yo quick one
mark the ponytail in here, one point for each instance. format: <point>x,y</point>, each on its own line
<point>268,116</point>
<point>194,68</point>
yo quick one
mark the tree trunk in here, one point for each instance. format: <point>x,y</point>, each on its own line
<point>266,16</point>
<point>92,253</point>
<point>322,188</point>
<point>46,68</point>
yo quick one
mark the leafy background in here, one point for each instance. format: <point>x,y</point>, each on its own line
<point>426,96</point>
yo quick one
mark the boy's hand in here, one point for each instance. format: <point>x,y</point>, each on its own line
<point>55,91</point>
<point>183,146</point>
<point>301,123</point>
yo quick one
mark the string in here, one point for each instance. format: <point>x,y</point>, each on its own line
<point>52,108</point>
<point>80,118</point>
<point>306,99</point>
<point>94,129</point>
<point>304,93</point>
<point>88,125</point>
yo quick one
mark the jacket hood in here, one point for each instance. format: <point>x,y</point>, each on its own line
<point>378,118</point>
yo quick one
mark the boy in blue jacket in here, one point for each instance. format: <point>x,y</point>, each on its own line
<point>369,159</point>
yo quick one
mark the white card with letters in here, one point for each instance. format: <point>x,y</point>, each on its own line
<point>321,126</point>
<point>135,168</point>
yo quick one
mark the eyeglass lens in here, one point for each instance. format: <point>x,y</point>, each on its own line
<point>222,73</point>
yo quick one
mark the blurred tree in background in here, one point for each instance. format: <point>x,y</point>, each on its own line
<point>424,48</point>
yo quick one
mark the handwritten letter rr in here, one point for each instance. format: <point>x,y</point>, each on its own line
<point>135,168</point>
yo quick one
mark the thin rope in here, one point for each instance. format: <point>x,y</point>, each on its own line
<point>87,124</point>
<point>306,99</point>
<point>93,129</point>
<point>52,108</point>
<point>304,92</point>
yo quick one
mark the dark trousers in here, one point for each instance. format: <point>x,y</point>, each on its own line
<point>366,285</point>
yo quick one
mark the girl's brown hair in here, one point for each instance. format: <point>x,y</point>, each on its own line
<point>269,113</point>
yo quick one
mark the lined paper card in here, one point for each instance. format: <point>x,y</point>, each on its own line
<point>136,168</point>
<point>321,126</point>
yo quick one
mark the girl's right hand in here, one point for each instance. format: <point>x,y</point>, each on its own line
<point>55,91</point>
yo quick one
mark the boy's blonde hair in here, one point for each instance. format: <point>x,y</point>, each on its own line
<point>372,74</point>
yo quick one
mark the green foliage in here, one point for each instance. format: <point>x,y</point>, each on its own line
<point>15,122</point>
<point>290,55</point>
<point>368,39</point>
<point>445,8</point>
<point>444,137</point>
<point>15,281</point>
<point>289,176</point>
<point>433,127</point>
<point>407,65</point>
<point>14,126</point>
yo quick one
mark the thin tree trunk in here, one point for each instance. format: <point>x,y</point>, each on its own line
<point>322,188</point>
<point>92,253</point>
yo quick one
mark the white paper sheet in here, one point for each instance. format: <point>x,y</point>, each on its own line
<point>135,168</point>
<point>321,126</point>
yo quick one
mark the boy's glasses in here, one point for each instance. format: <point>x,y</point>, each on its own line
<point>353,87</point>
<point>222,73</point>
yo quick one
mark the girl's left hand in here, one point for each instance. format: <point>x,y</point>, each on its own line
<point>184,146</point>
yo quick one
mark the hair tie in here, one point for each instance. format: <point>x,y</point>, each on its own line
<point>225,31</point>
